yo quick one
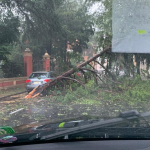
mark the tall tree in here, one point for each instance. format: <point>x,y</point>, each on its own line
<point>76,28</point>
<point>39,23</point>
<point>49,25</point>
<point>8,33</point>
<point>38,18</point>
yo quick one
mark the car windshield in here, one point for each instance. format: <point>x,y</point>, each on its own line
<point>93,57</point>
<point>38,75</point>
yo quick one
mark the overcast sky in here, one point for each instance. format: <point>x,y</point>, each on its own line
<point>96,7</point>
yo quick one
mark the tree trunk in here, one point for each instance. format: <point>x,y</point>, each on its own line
<point>138,64</point>
<point>138,67</point>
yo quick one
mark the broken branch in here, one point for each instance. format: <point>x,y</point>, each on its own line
<point>111,80</point>
<point>105,69</point>
<point>40,88</point>
<point>74,80</point>
<point>95,73</point>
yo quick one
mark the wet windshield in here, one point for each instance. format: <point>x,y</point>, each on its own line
<point>97,53</point>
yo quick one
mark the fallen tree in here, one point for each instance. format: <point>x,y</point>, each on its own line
<point>65,76</point>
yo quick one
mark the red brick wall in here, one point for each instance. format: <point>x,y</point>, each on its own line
<point>10,82</point>
<point>6,84</point>
<point>20,82</point>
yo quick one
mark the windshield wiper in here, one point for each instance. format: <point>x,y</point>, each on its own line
<point>129,124</point>
<point>125,119</point>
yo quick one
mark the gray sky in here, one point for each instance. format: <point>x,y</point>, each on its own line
<point>97,7</point>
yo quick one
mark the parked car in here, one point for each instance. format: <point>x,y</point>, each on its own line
<point>38,78</point>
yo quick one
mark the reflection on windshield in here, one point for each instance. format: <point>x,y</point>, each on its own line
<point>75,40</point>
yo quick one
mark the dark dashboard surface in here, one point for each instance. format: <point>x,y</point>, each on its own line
<point>88,145</point>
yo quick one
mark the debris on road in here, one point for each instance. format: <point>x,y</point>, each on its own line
<point>16,111</point>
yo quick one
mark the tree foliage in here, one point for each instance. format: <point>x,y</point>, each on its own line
<point>8,33</point>
<point>104,37</point>
<point>76,28</point>
<point>49,25</point>
<point>13,66</point>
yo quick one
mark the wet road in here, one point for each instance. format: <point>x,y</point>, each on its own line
<point>24,111</point>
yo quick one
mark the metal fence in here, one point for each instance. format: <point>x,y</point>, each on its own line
<point>38,65</point>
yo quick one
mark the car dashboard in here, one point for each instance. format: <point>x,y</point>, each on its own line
<point>87,145</point>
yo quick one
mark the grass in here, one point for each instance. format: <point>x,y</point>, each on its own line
<point>88,102</point>
<point>130,94</point>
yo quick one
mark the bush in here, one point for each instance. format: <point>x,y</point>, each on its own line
<point>14,65</point>
<point>12,69</point>
<point>133,91</point>
<point>78,93</point>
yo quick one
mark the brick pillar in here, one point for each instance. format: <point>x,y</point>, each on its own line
<point>28,61</point>
<point>46,62</point>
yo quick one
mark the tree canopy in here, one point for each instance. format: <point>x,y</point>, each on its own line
<point>45,26</point>
<point>8,34</point>
<point>103,22</point>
